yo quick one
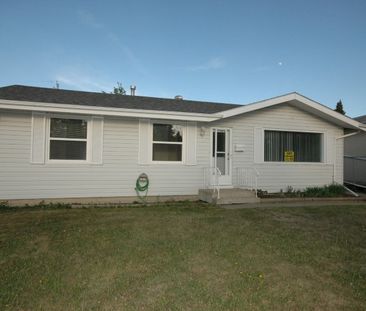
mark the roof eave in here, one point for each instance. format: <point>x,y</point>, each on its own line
<point>327,113</point>
<point>106,111</point>
<point>334,116</point>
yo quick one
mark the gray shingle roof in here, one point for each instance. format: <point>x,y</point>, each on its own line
<point>58,96</point>
<point>361,119</point>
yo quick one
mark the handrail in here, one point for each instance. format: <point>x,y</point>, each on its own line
<point>247,177</point>
<point>210,172</point>
<point>255,170</point>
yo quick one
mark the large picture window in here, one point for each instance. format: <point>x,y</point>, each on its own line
<point>167,142</point>
<point>68,139</point>
<point>281,146</point>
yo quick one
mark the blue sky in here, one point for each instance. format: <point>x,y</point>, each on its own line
<point>224,51</point>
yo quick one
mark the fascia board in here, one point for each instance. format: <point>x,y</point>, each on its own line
<point>315,106</point>
<point>106,111</point>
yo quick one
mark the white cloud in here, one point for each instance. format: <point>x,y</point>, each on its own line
<point>88,19</point>
<point>129,54</point>
<point>113,37</point>
<point>211,64</point>
<point>268,67</point>
<point>82,81</point>
<point>262,68</point>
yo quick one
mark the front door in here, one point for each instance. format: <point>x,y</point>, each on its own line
<point>221,154</point>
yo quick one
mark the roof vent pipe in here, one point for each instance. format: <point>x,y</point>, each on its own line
<point>179,97</point>
<point>133,90</point>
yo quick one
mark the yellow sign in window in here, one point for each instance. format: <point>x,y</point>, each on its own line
<point>289,156</point>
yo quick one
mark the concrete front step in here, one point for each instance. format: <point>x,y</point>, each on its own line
<point>228,196</point>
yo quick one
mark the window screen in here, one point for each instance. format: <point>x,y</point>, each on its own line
<point>167,142</point>
<point>68,139</point>
<point>281,146</point>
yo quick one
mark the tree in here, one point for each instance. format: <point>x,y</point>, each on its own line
<point>119,90</point>
<point>339,108</point>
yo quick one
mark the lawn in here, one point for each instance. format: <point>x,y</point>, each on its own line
<point>183,256</point>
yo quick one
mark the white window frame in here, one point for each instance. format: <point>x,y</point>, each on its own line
<point>322,149</point>
<point>87,139</point>
<point>182,143</point>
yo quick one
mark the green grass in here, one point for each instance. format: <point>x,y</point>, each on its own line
<point>183,256</point>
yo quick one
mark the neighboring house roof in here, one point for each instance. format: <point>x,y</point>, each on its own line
<point>68,97</point>
<point>35,99</point>
<point>361,119</point>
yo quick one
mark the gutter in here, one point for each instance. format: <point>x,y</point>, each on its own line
<point>107,111</point>
<point>347,135</point>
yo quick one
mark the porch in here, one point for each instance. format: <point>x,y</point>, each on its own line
<point>241,190</point>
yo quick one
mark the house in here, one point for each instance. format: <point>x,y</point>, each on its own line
<point>355,156</point>
<point>71,144</point>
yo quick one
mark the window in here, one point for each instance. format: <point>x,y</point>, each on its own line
<point>68,139</point>
<point>167,142</point>
<point>281,146</point>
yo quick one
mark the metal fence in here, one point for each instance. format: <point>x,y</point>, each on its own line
<point>355,170</point>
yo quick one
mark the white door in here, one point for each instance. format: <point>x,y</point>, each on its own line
<point>221,154</point>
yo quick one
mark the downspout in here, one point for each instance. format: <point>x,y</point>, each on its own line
<point>350,191</point>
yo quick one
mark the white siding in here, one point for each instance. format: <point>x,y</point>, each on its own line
<point>276,176</point>
<point>116,176</point>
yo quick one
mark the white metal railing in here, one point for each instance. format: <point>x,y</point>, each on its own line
<point>247,177</point>
<point>211,177</point>
<point>355,170</point>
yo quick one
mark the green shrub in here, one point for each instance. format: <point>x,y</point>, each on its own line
<point>291,192</point>
<point>262,193</point>
<point>332,190</point>
<point>4,205</point>
<point>44,205</point>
